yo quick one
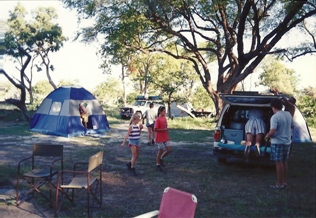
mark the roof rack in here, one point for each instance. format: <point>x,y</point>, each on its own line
<point>140,97</point>
<point>154,98</point>
<point>151,98</point>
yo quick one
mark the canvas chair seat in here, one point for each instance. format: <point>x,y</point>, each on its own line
<point>40,173</point>
<point>79,182</point>
<point>45,163</point>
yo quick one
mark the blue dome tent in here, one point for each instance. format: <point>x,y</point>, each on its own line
<point>59,115</point>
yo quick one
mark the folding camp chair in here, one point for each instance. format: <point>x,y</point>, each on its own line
<point>81,180</point>
<point>43,168</point>
<point>174,204</point>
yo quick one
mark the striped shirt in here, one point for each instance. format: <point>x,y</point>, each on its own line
<point>135,133</point>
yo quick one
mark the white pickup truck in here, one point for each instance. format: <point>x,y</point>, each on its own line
<point>140,106</point>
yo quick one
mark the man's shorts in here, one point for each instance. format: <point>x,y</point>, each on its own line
<point>280,152</point>
<point>150,125</point>
<point>135,142</point>
<point>255,126</point>
<point>162,145</point>
<point>84,117</point>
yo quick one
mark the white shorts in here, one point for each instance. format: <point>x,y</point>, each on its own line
<point>255,126</point>
<point>162,145</point>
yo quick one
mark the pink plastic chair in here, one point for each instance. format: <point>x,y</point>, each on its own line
<point>174,204</point>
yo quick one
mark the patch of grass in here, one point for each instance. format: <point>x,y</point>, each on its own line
<point>114,120</point>
<point>229,190</point>
<point>192,136</point>
<point>190,123</point>
<point>10,115</point>
<point>6,174</point>
<point>112,112</point>
<point>20,128</point>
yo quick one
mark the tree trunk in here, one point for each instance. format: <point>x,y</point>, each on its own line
<point>22,108</point>
<point>20,103</point>
<point>214,95</point>
<point>31,96</point>
<point>169,104</point>
<point>123,83</point>
<point>49,77</point>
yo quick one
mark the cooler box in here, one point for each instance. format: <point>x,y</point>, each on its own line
<point>236,135</point>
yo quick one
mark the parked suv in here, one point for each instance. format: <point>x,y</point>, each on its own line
<point>230,128</point>
<point>140,106</point>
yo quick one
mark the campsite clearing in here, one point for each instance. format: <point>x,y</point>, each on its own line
<point>232,190</point>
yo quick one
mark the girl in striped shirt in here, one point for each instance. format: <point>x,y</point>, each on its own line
<point>133,135</point>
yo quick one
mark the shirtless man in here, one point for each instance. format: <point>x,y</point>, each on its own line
<point>289,104</point>
<point>83,115</point>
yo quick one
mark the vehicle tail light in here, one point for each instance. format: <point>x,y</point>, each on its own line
<point>217,134</point>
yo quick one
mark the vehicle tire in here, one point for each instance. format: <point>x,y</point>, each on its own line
<point>221,160</point>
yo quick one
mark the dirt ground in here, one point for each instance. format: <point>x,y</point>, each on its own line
<point>191,167</point>
<point>16,148</point>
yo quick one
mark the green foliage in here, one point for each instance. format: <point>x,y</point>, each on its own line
<point>139,71</point>
<point>109,92</point>
<point>68,82</point>
<point>285,80</point>
<point>46,35</point>
<point>130,98</point>
<point>42,88</point>
<point>112,114</point>
<point>39,33</point>
<point>200,99</point>
<point>276,75</point>
<point>174,79</point>
<point>237,34</point>
<point>307,104</point>
<point>29,40</point>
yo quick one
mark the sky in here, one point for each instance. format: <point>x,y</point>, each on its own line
<point>78,61</point>
<point>74,60</point>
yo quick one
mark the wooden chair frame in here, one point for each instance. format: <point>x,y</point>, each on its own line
<point>81,180</point>
<point>40,174</point>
